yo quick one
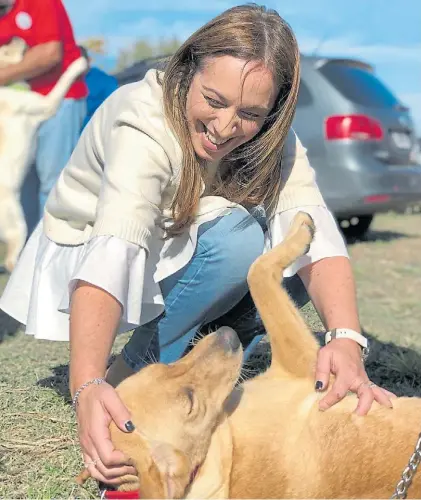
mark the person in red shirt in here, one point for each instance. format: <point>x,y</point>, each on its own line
<point>46,29</point>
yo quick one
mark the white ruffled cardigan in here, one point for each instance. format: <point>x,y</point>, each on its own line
<point>101,218</point>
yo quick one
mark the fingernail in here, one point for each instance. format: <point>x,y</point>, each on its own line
<point>129,426</point>
<point>319,385</point>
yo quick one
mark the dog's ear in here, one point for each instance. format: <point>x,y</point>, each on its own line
<point>173,467</point>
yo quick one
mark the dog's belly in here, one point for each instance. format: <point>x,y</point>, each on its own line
<point>285,447</point>
<point>271,441</point>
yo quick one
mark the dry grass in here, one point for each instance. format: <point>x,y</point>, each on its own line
<point>39,453</point>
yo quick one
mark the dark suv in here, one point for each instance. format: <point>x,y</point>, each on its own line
<point>360,138</point>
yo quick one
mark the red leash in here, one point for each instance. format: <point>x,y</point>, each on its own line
<point>121,495</point>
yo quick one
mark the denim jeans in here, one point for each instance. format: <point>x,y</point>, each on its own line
<point>209,286</point>
<point>56,140</point>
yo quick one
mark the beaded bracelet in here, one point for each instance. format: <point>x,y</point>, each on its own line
<point>96,381</point>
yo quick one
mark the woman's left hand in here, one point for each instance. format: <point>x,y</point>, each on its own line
<point>342,357</point>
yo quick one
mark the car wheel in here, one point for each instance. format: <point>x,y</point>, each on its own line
<point>354,228</point>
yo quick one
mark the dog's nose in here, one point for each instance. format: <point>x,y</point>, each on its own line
<point>229,339</point>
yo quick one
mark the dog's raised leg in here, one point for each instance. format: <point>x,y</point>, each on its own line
<point>294,348</point>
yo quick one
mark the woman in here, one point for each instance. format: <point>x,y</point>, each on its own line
<point>149,216</point>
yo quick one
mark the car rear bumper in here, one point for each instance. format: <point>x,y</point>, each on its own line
<point>368,191</point>
<point>352,207</point>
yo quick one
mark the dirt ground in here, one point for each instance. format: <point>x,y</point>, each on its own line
<point>39,453</point>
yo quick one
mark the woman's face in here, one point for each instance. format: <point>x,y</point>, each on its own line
<point>227,104</point>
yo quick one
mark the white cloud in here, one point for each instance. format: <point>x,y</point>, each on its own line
<point>149,28</point>
<point>103,18</point>
<point>413,101</point>
<point>349,46</point>
<point>300,10</point>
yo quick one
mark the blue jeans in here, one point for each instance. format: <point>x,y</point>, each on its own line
<point>209,286</point>
<point>56,140</point>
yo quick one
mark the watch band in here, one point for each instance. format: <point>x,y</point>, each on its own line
<point>346,333</point>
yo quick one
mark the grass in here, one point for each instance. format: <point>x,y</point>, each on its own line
<point>39,451</point>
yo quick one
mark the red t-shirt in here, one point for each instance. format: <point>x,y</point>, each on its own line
<point>42,21</point>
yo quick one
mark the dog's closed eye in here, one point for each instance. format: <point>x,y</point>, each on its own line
<point>189,392</point>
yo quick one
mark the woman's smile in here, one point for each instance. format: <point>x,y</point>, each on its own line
<point>227,104</point>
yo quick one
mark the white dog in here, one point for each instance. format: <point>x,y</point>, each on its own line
<point>12,52</point>
<point>21,114</point>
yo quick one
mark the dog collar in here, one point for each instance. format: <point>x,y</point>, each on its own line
<point>121,495</point>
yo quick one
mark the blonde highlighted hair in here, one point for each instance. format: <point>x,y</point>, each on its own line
<point>252,173</point>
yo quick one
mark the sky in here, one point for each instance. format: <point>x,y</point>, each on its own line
<point>384,33</point>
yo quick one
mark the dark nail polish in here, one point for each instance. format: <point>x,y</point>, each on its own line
<point>319,385</point>
<point>129,426</point>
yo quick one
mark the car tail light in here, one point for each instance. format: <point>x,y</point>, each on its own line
<point>376,198</point>
<point>355,127</point>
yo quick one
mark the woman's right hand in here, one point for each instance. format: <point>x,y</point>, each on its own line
<point>98,405</point>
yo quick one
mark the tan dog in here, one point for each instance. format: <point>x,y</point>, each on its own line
<point>21,114</point>
<point>269,439</point>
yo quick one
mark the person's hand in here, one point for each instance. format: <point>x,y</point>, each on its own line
<point>342,357</point>
<point>97,406</point>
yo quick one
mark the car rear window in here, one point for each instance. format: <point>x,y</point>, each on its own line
<point>359,85</point>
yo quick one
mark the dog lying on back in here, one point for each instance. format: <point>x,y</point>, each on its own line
<point>199,436</point>
<point>21,113</point>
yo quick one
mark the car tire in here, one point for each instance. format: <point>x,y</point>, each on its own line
<point>355,227</point>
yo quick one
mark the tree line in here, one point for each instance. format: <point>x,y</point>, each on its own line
<point>138,50</point>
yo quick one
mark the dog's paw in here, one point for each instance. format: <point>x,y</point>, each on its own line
<point>306,220</point>
<point>302,231</point>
